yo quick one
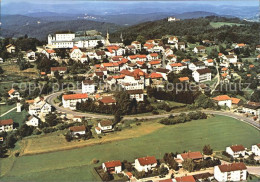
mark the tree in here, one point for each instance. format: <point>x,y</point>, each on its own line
<point>207,150</point>
<point>99,44</point>
<point>140,39</point>
<point>107,177</point>
<point>51,119</point>
<point>117,116</point>
<point>189,165</point>
<point>1,70</point>
<point>3,151</point>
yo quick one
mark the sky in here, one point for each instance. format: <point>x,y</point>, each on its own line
<point>213,2</point>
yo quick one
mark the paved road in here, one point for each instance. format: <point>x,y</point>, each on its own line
<point>240,117</point>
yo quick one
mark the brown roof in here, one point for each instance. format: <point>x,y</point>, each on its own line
<point>204,71</point>
<point>106,123</point>
<point>237,148</point>
<point>112,163</point>
<point>185,179</point>
<point>200,47</point>
<point>107,100</point>
<point>88,82</point>
<point>77,128</point>
<point>147,160</point>
<point>191,155</point>
<point>202,176</point>
<point>6,122</point>
<point>100,53</point>
<point>232,167</point>
<point>162,70</point>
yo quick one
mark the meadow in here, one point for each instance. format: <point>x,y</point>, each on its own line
<point>220,24</point>
<point>76,164</point>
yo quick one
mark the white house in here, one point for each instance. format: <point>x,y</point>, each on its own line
<point>230,58</point>
<point>199,49</point>
<point>176,67</point>
<point>60,70</point>
<point>197,65</point>
<point>112,166</point>
<point>256,149</point>
<point>10,48</point>
<point>104,126</point>
<point>172,40</point>
<point>171,18</point>
<point>14,94</point>
<point>202,75</point>
<point>137,45</point>
<point>152,56</point>
<point>223,100</point>
<point>180,46</point>
<point>252,108</point>
<point>39,106</point>
<point>30,55</point>
<point>145,163</point>
<point>77,130</point>
<point>88,86</point>
<point>78,118</point>
<point>236,150</point>
<point>76,53</point>
<point>32,121</point>
<point>138,95</point>
<point>6,125</point>
<point>209,62</point>
<point>71,100</point>
<point>230,172</point>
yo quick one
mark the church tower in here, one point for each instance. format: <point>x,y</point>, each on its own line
<point>18,107</point>
<point>107,39</point>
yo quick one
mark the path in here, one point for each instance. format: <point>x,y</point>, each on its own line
<point>8,111</point>
<point>216,76</point>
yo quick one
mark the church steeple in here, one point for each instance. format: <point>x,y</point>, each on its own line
<point>121,37</point>
<point>107,39</point>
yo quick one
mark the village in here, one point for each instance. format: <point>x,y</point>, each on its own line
<point>118,81</point>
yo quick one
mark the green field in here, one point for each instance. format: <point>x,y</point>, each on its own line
<point>5,108</point>
<point>220,24</point>
<point>75,165</point>
<point>17,117</point>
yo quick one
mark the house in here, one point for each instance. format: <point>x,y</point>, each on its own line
<point>145,163</point>
<point>236,102</point>
<point>112,66</point>
<point>77,130</point>
<point>155,64</point>
<point>10,48</point>
<point>78,118</point>
<point>60,70</point>
<point>104,126</point>
<point>209,62</point>
<point>114,50</point>
<point>75,53</point>
<point>230,172</point>
<point>240,46</point>
<point>138,95</point>
<point>202,75</point>
<point>137,45</point>
<point>107,100</point>
<point>201,177</point>
<point>71,100</point>
<point>223,100</point>
<point>14,94</point>
<point>236,150</point>
<point>184,179</point>
<point>30,55</point>
<point>208,42</point>
<point>258,48</point>
<point>252,108</point>
<point>6,125</point>
<point>172,40</point>
<point>171,18</point>
<point>231,58</point>
<point>171,58</point>
<point>152,56</point>
<point>180,46</point>
<point>33,121</point>
<point>39,106</point>
<point>256,149</point>
<point>88,86</point>
<point>112,166</point>
<point>176,67</point>
<point>164,72</point>
<point>195,156</point>
<point>199,49</point>
<point>197,65</point>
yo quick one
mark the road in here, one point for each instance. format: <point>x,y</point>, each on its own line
<point>240,117</point>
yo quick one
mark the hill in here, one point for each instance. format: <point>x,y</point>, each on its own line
<point>196,29</point>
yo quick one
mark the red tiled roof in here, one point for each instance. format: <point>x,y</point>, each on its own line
<point>166,180</point>
<point>140,62</point>
<point>11,91</point>
<point>251,66</point>
<point>232,167</point>
<point>185,179</point>
<point>241,45</point>
<point>182,79</point>
<point>50,51</point>
<point>224,74</point>
<point>75,96</point>
<point>154,54</point>
<point>107,100</point>
<point>155,62</point>
<point>147,160</point>
<point>112,48</point>
<point>112,164</point>
<point>237,148</point>
<point>221,98</point>
<point>110,64</point>
<point>191,155</point>
<point>224,69</point>
<point>176,65</point>
<point>77,128</point>
<point>235,100</point>
<point>6,122</point>
<point>210,60</point>
<point>156,75</point>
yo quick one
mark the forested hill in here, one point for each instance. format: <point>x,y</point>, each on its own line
<point>233,30</point>
<point>35,27</point>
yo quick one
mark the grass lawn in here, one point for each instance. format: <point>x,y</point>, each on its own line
<point>75,165</point>
<point>17,117</point>
<point>220,24</point>
<point>5,108</point>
